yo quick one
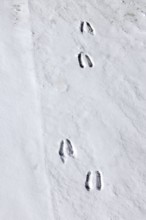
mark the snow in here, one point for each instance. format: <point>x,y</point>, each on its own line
<point>73,110</point>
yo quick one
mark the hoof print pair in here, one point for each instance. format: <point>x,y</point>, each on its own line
<point>85,26</point>
<point>66,150</point>
<point>93,181</point>
<point>84,60</point>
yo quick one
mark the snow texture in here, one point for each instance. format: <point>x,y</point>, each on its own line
<point>72,110</point>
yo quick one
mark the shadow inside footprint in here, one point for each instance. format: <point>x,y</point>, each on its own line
<point>98,181</point>
<point>90,64</point>
<point>88,181</point>
<point>82,26</point>
<point>61,152</point>
<point>70,150</point>
<point>80,59</point>
<point>90,29</point>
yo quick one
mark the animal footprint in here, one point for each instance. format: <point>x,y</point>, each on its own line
<point>17,7</point>
<point>87,27</point>
<point>92,178</point>
<point>66,149</point>
<point>88,183</point>
<point>84,59</point>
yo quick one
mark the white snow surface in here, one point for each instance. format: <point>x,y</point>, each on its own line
<point>47,101</point>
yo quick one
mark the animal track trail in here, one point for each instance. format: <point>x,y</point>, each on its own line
<point>98,181</point>
<point>87,27</point>
<point>66,149</point>
<point>88,184</point>
<point>84,60</point>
